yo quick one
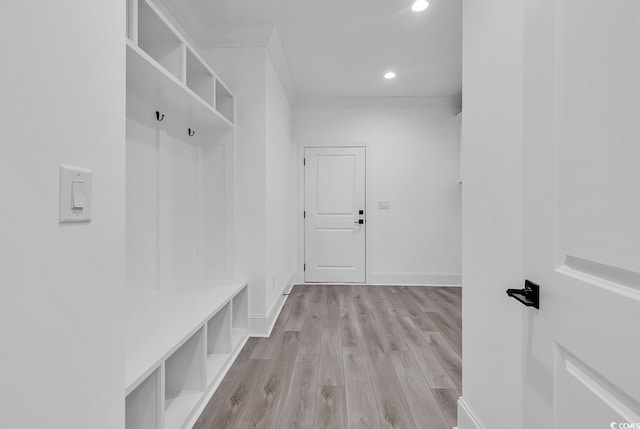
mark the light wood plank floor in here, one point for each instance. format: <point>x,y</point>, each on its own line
<point>345,356</point>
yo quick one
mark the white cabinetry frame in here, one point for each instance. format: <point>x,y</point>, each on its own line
<point>184,326</point>
<point>162,66</point>
<point>178,348</point>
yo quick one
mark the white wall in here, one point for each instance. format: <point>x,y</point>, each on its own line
<point>281,189</point>
<point>243,71</point>
<point>63,101</point>
<point>412,161</point>
<point>177,224</point>
<point>265,178</point>
<point>492,213</point>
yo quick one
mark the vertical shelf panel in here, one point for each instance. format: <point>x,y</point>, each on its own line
<point>199,78</point>
<point>142,406</point>
<point>240,312</point>
<point>224,101</point>
<point>184,380</point>
<point>158,40</point>
<point>218,342</point>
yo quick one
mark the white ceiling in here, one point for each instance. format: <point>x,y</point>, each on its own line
<point>341,48</point>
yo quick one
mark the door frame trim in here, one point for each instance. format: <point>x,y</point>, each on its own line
<point>301,196</point>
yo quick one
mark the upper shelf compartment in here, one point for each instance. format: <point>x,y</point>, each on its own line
<point>164,70</point>
<point>158,40</point>
<point>224,101</point>
<point>199,78</point>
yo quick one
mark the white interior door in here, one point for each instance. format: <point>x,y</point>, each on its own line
<point>334,196</point>
<point>582,213</point>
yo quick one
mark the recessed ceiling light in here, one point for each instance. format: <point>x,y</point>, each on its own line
<point>389,75</point>
<point>420,5</point>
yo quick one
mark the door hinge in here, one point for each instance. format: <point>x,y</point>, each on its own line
<point>304,161</point>
<point>304,267</point>
<point>304,214</point>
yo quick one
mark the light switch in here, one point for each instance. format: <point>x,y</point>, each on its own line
<point>384,205</point>
<point>75,194</point>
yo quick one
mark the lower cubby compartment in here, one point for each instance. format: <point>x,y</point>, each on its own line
<point>178,346</point>
<point>239,324</point>
<point>218,342</point>
<point>240,308</point>
<point>215,363</point>
<point>142,405</point>
<point>184,380</point>
<point>238,335</point>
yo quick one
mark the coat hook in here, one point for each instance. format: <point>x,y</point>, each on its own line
<point>191,132</point>
<point>158,117</point>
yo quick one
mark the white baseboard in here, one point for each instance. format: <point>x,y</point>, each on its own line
<point>422,279</point>
<point>466,418</point>
<point>380,284</point>
<point>260,325</point>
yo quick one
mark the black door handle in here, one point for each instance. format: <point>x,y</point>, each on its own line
<point>360,221</point>
<point>529,296</point>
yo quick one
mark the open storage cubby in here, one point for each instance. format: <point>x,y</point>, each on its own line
<point>224,101</point>
<point>218,342</point>
<point>158,40</point>
<point>142,407</point>
<point>240,322</point>
<point>199,78</point>
<point>180,340</point>
<point>164,69</point>
<point>184,376</point>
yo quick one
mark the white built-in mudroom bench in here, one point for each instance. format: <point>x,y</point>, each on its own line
<point>178,346</point>
<point>184,324</point>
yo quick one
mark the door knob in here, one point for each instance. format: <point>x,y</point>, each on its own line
<point>529,296</point>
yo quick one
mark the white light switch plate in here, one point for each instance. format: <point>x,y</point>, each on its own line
<point>82,188</point>
<point>384,205</point>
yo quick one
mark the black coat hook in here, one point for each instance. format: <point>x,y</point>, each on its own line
<point>158,117</point>
<point>191,132</point>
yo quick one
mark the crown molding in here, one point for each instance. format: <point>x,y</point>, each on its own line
<point>254,37</point>
<point>454,103</point>
<point>280,63</point>
<point>193,35</point>
<point>273,47</point>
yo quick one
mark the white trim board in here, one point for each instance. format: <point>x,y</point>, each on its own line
<point>457,286</point>
<point>261,325</point>
<point>280,63</point>
<point>413,102</point>
<point>466,418</point>
<point>424,279</point>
